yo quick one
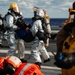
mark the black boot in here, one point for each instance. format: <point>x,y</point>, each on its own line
<point>23,60</point>
<point>38,63</point>
<point>47,60</point>
<point>1,46</point>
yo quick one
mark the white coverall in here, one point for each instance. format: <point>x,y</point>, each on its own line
<point>12,41</point>
<point>1,34</point>
<point>11,35</point>
<point>38,45</point>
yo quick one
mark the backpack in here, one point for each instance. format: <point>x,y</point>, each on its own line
<point>46,27</point>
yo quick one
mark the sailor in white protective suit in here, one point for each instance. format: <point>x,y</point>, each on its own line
<point>10,25</point>
<point>1,30</point>
<point>38,43</point>
<point>46,24</point>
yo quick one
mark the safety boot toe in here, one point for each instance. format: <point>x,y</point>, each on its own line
<point>47,60</point>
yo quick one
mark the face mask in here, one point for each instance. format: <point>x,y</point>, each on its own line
<point>17,9</point>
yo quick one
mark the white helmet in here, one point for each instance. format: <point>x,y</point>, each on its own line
<point>40,13</point>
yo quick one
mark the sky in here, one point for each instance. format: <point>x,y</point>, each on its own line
<point>54,8</point>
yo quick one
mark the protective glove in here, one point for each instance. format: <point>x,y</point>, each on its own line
<point>64,60</point>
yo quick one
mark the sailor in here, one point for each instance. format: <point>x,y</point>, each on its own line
<point>66,30</point>
<point>2,64</point>
<point>10,25</point>
<point>40,39</point>
<point>1,30</point>
<point>66,45</point>
<point>13,66</point>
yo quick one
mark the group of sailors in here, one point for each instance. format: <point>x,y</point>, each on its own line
<point>39,34</point>
<point>14,26</point>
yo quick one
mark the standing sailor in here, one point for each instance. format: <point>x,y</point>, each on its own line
<point>10,25</point>
<point>40,39</point>
<point>1,30</point>
<point>65,57</point>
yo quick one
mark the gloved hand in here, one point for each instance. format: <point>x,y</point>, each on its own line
<point>21,23</point>
<point>64,60</point>
<point>41,36</point>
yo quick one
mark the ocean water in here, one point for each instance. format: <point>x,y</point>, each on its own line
<point>53,21</point>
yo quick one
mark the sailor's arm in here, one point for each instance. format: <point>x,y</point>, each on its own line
<point>10,22</point>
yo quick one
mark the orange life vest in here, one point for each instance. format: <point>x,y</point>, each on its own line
<point>28,69</point>
<point>14,61</point>
<point>2,62</point>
